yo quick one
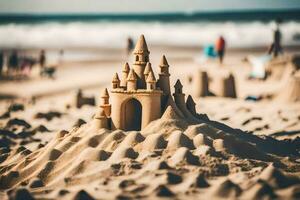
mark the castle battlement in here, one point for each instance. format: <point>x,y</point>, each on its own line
<point>138,98</point>
<point>139,91</point>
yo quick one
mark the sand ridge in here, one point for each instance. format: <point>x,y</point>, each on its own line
<point>182,160</point>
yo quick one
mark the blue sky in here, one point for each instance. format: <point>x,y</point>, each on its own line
<point>141,6</point>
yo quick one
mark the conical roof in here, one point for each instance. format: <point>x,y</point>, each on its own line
<point>141,46</point>
<point>132,75</point>
<point>151,78</point>
<point>190,101</point>
<point>116,78</point>
<point>126,67</point>
<point>164,62</point>
<point>105,93</point>
<point>178,84</point>
<point>148,68</point>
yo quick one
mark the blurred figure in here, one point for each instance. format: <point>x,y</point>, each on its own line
<point>209,51</point>
<point>130,45</point>
<point>220,48</point>
<point>26,64</point>
<point>13,62</point>
<point>60,56</point>
<point>42,59</point>
<point>1,62</point>
<point>275,47</point>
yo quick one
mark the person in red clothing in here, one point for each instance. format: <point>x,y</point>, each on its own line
<point>220,48</point>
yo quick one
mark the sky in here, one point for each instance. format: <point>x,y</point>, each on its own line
<point>139,6</point>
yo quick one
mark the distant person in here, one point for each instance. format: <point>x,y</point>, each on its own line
<point>42,59</point>
<point>60,56</point>
<point>130,45</point>
<point>275,47</point>
<point>1,62</point>
<point>220,48</point>
<point>13,62</point>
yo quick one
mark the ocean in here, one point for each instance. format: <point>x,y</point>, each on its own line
<point>245,29</point>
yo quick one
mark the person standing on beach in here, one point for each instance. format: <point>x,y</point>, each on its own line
<point>130,45</point>
<point>275,47</point>
<point>42,59</point>
<point>42,62</point>
<point>13,62</point>
<point>220,48</point>
<point>1,62</point>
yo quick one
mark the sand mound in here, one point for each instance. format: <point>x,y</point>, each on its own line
<point>157,162</point>
<point>183,155</point>
<point>276,179</point>
<point>177,139</point>
<point>227,189</point>
<point>260,190</point>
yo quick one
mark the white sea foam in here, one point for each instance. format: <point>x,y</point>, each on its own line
<point>114,34</point>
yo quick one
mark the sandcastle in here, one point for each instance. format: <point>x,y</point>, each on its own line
<point>226,83</point>
<point>139,98</point>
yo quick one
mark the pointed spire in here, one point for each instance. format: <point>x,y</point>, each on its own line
<point>126,68</point>
<point>151,78</point>
<point>178,85</point>
<point>105,93</point>
<point>190,101</point>
<point>141,45</point>
<point>148,68</point>
<point>116,78</point>
<point>164,62</point>
<point>132,75</point>
<point>190,105</point>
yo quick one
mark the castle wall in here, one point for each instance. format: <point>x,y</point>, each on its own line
<point>150,102</point>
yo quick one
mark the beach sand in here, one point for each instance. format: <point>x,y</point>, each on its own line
<point>238,150</point>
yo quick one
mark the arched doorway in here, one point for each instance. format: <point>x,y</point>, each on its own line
<point>132,115</point>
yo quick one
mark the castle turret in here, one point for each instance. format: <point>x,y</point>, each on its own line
<point>116,81</point>
<point>132,80</point>
<point>164,76</point>
<point>101,120</point>
<point>104,104</point>
<point>141,57</point>
<point>180,102</point>
<point>178,87</point>
<point>151,81</point>
<point>190,104</point>
<point>147,70</point>
<point>125,72</point>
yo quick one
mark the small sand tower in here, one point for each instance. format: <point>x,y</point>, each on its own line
<point>138,98</point>
<point>201,86</point>
<point>101,120</point>
<point>125,73</point>
<point>228,87</point>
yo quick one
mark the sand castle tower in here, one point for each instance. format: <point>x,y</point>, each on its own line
<point>141,56</point>
<point>201,86</point>
<point>228,87</point>
<point>135,102</point>
<point>291,89</point>
<point>139,98</point>
<point>125,73</point>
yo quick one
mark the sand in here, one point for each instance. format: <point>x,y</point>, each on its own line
<point>237,149</point>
